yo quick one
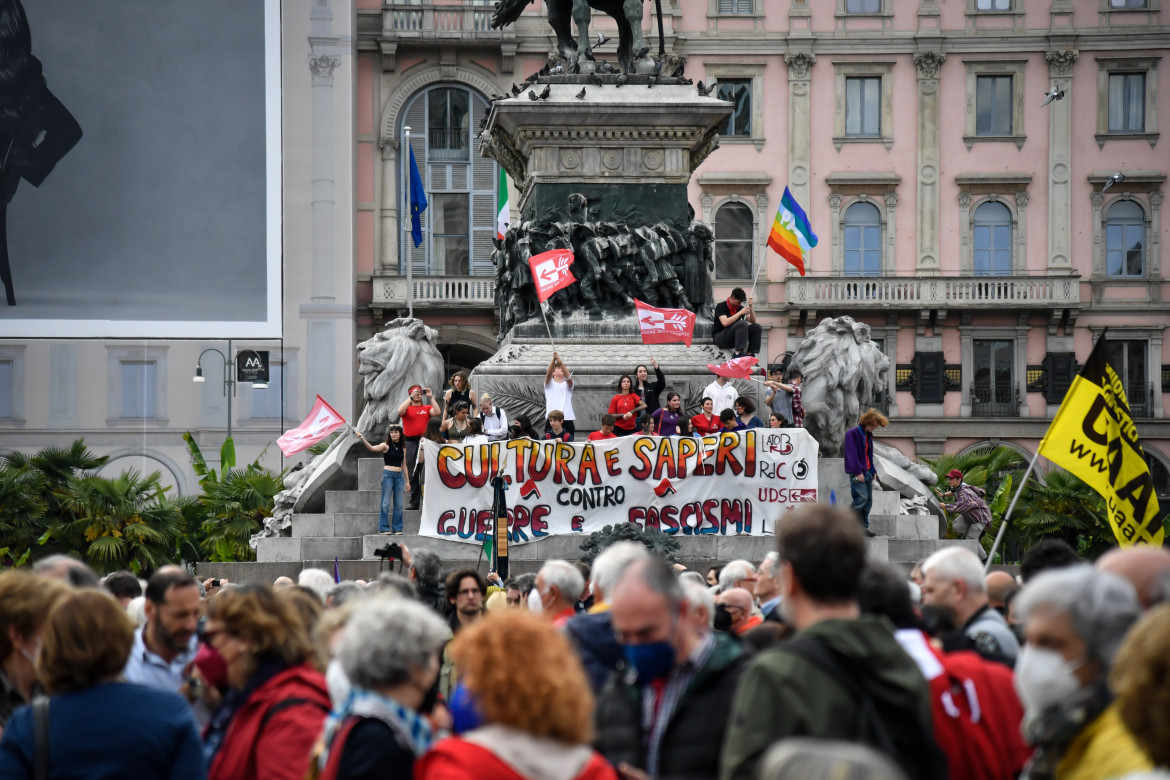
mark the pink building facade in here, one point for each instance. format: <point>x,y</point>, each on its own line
<point>965,222</point>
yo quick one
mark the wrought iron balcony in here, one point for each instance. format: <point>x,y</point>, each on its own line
<point>435,292</point>
<point>949,292</point>
<point>998,401</point>
<point>1140,399</point>
<point>436,21</point>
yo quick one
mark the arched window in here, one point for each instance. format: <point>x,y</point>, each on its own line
<point>1125,238</point>
<point>992,231</point>
<point>460,220</point>
<point>734,225</point>
<point>863,240</point>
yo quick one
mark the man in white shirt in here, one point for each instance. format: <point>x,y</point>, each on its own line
<point>493,418</point>
<point>722,394</point>
<point>558,393</point>
<point>166,644</point>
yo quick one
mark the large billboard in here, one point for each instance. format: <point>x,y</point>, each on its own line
<point>140,169</point>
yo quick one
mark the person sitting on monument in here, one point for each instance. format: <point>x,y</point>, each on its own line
<point>606,432</point>
<point>458,426</point>
<point>650,391</point>
<point>746,410</point>
<point>666,419</point>
<point>728,422</point>
<point>706,422</point>
<point>556,427</point>
<point>558,393</point>
<point>625,405</point>
<point>460,390</point>
<point>735,325</point>
<point>493,418</point>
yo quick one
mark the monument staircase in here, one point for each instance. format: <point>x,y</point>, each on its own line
<point>348,531</point>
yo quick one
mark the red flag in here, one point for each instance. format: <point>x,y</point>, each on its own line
<point>740,368</point>
<point>321,422</point>
<point>665,326</point>
<point>550,271</point>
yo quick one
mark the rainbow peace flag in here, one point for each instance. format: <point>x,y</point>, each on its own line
<point>791,234</point>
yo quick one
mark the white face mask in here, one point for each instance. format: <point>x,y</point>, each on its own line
<point>337,682</point>
<point>1044,679</point>
<point>535,603</point>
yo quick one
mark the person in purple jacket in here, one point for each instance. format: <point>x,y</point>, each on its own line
<point>859,464</point>
<point>666,419</point>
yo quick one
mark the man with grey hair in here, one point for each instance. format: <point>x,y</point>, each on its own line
<point>389,651</point>
<point>668,716</point>
<point>426,571</point>
<point>592,634</point>
<point>953,578</point>
<point>1075,620</point>
<point>559,585</point>
<point>702,603</point>
<point>317,580</point>
<point>738,574</point>
<point>67,569</point>
<point>768,587</point>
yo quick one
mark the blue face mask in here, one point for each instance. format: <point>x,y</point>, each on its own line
<point>652,660</point>
<point>465,713</point>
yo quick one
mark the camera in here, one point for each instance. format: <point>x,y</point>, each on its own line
<point>391,551</point>
<point>215,583</point>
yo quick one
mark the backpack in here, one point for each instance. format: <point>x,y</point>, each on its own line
<point>889,730</point>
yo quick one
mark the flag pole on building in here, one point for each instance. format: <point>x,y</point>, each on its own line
<point>408,149</point>
<point>417,200</point>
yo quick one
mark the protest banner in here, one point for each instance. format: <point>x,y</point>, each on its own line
<point>724,484</point>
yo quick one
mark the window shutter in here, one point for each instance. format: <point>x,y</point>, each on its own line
<point>483,197</point>
<point>726,6</point>
<point>1062,369</point>
<point>930,381</point>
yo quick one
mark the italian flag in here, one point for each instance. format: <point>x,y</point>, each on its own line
<point>792,234</point>
<point>503,213</point>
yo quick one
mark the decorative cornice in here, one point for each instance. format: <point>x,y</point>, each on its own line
<point>800,64</point>
<point>1060,63</point>
<point>928,63</point>
<point>322,67</point>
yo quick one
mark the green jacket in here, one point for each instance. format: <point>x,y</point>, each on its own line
<point>783,695</point>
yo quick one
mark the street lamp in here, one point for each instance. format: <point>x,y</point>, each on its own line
<point>229,377</point>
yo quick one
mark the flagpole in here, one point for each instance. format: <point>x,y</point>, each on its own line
<point>544,316</point>
<point>409,263</point>
<point>1007,516</point>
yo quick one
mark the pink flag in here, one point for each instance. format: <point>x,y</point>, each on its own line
<point>665,326</point>
<point>550,271</point>
<point>740,368</point>
<point>321,422</point>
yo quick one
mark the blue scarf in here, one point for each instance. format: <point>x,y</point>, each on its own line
<point>411,730</point>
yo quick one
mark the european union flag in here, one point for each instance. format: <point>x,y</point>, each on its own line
<point>418,200</point>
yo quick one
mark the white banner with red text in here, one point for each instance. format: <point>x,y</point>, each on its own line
<point>731,483</point>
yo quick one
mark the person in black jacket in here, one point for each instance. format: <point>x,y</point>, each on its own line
<point>426,573</point>
<point>390,652</point>
<point>650,391</point>
<point>667,715</point>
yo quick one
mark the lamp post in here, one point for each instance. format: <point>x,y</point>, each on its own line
<point>229,377</point>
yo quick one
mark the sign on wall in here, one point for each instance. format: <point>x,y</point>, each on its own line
<point>726,484</point>
<point>252,365</point>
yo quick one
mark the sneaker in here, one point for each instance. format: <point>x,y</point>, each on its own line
<point>870,533</point>
<point>385,533</point>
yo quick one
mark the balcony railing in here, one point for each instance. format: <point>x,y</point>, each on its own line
<point>456,20</point>
<point>1140,398</point>
<point>943,291</point>
<point>998,401</point>
<point>436,291</point>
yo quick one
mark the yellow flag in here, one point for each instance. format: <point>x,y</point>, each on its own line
<point>1093,436</point>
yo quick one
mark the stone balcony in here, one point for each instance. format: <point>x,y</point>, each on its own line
<point>1014,292</point>
<point>436,292</point>
<point>428,24</point>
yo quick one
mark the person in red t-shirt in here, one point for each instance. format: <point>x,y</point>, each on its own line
<point>625,406</point>
<point>414,416</point>
<point>705,422</point>
<point>606,432</point>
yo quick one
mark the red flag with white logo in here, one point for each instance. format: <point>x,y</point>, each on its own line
<point>665,326</point>
<point>550,271</point>
<point>321,422</point>
<point>739,368</point>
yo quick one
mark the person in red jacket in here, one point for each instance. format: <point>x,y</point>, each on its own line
<point>706,422</point>
<point>277,701</point>
<point>522,709</point>
<point>625,406</point>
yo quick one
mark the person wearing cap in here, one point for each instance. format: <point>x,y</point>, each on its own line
<point>969,504</point>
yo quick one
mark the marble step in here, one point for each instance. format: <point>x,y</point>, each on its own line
<point>349,524</point>
<point>905,526</point>
<point>910,551</point>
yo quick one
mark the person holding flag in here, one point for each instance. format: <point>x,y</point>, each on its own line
<point>558,393</point>
<point>735,325</point>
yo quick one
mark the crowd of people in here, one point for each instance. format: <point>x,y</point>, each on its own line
<point>813,663</point>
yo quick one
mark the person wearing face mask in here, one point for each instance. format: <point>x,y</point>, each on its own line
<point>276,700</point>
<point>389,650</point>
<point>25,601</point>
<point>1075,620</point>
<point>669,714</point>
<point>521,710</point>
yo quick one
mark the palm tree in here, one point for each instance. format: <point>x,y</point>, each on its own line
<point>1068,508</point>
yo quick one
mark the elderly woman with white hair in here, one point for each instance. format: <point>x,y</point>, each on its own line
<point>390,653</point>
<point>1075,619</point>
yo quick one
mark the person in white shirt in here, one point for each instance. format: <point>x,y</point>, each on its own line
<point>722,394</point>
<point>493,418</point>
<point>558,393</point>
<point>476,436</point>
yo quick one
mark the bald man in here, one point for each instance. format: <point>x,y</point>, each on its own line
<point>1147,568</point>
<point>739,603</point>
<point>1000,585</point>
<point>283,583</point>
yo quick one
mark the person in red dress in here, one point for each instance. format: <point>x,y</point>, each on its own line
<point>625,406</point>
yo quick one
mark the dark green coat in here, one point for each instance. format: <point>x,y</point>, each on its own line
<point>690,745</point>
<point>783,695</point>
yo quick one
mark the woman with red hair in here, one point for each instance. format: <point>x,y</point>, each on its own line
<point>522,706</point>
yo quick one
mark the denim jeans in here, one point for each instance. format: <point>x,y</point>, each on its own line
<point>862,497</point>
<point>393,484</point>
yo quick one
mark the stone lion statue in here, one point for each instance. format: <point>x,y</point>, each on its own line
<point>402,355</point>
<point>842,369</point>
